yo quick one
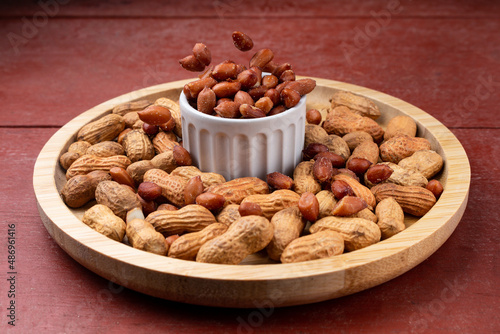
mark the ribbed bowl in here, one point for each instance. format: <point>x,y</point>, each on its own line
<point>244,147</point>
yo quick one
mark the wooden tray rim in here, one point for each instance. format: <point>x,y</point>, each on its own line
<point>447,212</point>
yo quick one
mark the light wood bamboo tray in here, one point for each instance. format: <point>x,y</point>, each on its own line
<point>256,280</point>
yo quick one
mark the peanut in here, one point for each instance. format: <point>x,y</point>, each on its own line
<point>357,232</point>
<point>191,218</point>
<point>400,176</point>
<point>164,142</point>
<point>391,218</point>
<point>313,149</point>
<point>319,245</point>
<point>340,189</point>
<point>202,53</point>
<point>335,144</point>
<point>229,214</point>
<point>208,179</point>
<point>241,41</point>
<point>125,108</point>
<point>250,209</point>
<point>210,201</point>
<point>192,64</point>
<point>164,161</point>
<point>105,149</point>
<point>358,165</point>
<point>274,202</point>
<point>143,236</point>
<point>348,206</point>
<point>359,189</point>
<point>378,173</point>
<point>192,89</point>
<point>400,125</point>
<point>366,150</point>
<point>326,201</point>
<point>194,187</point>
<point>181,156</point>
<point>118,198</point>
<point>279,181</point>
<point>261,58</point>
<point>175,112</point>
<point>400,147</point>
<point>80,189</point>
<point>414,200</point>
<point>427,162</point>
<point>336,160</point>
<point>288,224</point>
<point>304,180</point>
<point>121,176</point>
<point>67,159</point>
<point>245,236</point>
<point>88,163</point>
<point>289,97</point>
<point>236,190</point>
<point>354,139</point>
<point>309,206</point>
<point>149,191</point>
<point>365,214</point>
<point>206,101</point>
<point>122,134</point>
<point>152,130</point>
<point>358,104</point>
<point>101,219</point>
<point>186,247</point>
<point>248,111</point>
<point>313,116</point>
<point>172,186</point>
<point>138,146</point>
<point>105,128</point>
<point>341,120</point>
<point>323,169</point>
<point>435,187</point>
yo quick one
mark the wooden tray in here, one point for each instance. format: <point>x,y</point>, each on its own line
<point>256,282</point>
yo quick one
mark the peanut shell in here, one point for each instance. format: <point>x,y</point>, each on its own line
<point>357,232</point>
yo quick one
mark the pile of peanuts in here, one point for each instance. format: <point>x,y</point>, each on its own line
<point>135,181</point>
<point>231,90</point>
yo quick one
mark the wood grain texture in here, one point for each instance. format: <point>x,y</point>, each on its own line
<point>64,296</point>
<point>241,286</point>
<point>433,62</point>
<point>455,82</point>
<point>257,8</point>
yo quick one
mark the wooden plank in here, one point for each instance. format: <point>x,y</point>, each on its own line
<point>446,67</point>
<point>455,290</point>
<point>258,8</point>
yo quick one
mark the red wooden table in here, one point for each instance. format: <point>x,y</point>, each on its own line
<point>60,58</point>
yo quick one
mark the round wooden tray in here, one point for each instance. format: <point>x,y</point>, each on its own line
<point>256,282</point>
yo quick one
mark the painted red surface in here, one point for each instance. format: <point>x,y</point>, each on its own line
<point>444,58</point>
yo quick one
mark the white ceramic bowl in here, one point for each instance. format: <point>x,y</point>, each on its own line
<point>244,147</point>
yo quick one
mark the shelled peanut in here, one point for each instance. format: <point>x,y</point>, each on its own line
<point>232,90</point>
<point>352,189</point>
